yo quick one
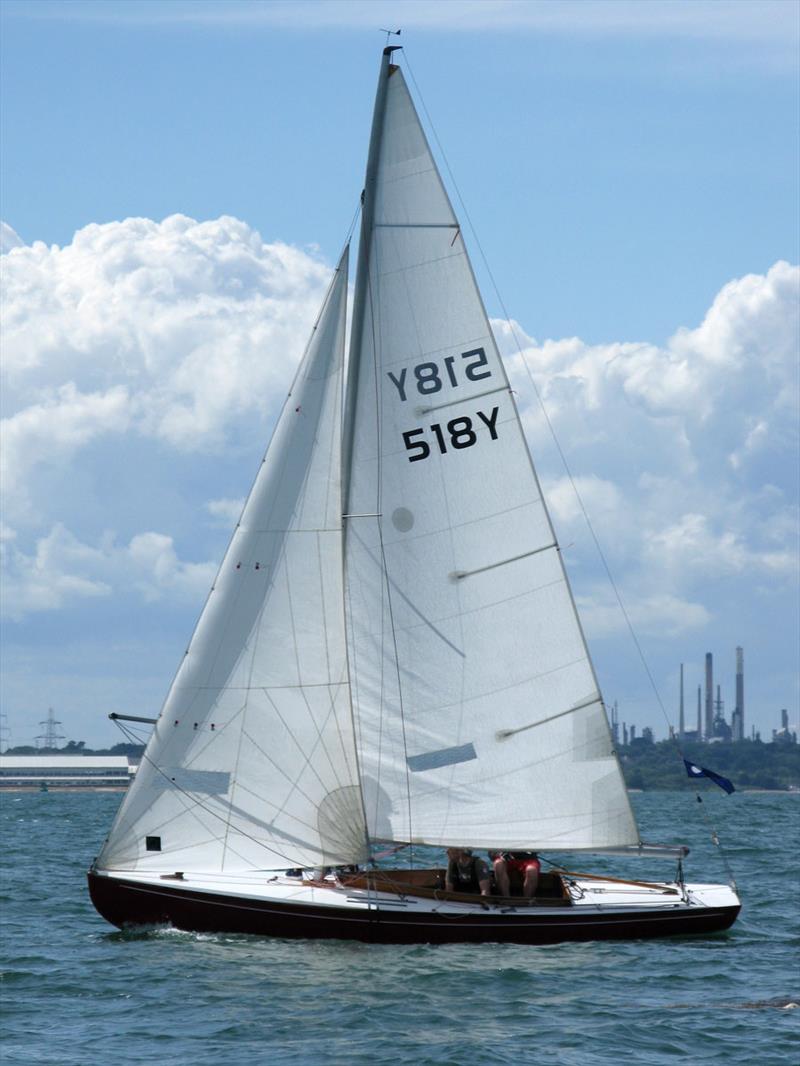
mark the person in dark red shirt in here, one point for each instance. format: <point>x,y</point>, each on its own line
<point>513,868</point>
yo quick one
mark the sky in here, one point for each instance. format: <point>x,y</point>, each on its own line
<point>177,183</point>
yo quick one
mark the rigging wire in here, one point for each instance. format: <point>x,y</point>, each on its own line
<point>551,429</point>
<point>351,228</point>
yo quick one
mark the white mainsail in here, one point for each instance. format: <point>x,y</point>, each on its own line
<point>478,715</point>
<point>252,764</point>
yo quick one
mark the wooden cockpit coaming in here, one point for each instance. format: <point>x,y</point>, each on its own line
<point>429,884</point>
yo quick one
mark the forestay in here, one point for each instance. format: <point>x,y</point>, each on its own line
<point>252,762</point>
<point>478,716</point>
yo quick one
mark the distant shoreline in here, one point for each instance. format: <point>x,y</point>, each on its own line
<point>63,788</point>
<point>117,788</point>
<point>771,791</point>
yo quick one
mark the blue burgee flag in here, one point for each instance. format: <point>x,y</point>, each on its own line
<point>700,771</point>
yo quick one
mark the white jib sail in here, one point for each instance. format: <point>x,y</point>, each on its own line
<point>252,762</point>
<point>478,716</point>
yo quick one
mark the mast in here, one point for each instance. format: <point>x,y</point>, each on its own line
<point>362,268</point>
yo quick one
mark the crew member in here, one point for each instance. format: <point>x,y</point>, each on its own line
<point>466,872</point>
<point>521,867</point>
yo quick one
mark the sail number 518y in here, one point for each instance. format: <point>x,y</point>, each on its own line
<point>459,432</point>
<point>429,377</point>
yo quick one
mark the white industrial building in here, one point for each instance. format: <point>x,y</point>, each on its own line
<point>65,771</point>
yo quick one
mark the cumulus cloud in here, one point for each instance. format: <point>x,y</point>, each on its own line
<point>685,456</point>
<point>61,570</point>
<point>738,368</point>
<point>742,358</point>
<point>567,498</point>
<point>690,546</point>
<point>171,345</point>
<point>662,615</point>
<point>146,337</point>
<point>49,578</point>
<point>226,511</point>
<point>195,321</point>
<point>8,238</point>
<point>159,571</point>
<point>54,429</point>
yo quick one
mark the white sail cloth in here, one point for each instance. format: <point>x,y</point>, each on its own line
<point>429,680</point>
<point>478,715</point>
<point>252,762</point>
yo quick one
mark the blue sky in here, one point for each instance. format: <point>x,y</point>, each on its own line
<point>632,174</point>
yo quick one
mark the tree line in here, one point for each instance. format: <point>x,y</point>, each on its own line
<point>646,764</point>
<point>649,765</point>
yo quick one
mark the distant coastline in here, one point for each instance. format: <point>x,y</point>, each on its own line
<point>62,788</point>
<point>751,765</point>
<point>97,788</point>
<point>647,765</point>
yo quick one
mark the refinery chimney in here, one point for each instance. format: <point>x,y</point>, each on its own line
<point>738,714</point>
<point>709,722</point>
<point>681,719</point>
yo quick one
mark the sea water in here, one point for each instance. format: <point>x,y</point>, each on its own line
<point>77,991</point>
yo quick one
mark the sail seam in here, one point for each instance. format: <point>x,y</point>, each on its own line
<point>422,169</point>
<point>531,764</point>
<point>461,400</point>
<point>480,609</point>
<point>415,610</point>
<point>507,688</point>
<point>190,808</point>
<point>416,225</point>
<point>434,531</point>
<point>428,262</point>
<point>474,340</point>
<point>255,635</point>
<point>290,532</point>
<point>262,688</point>
<point>292,782</point>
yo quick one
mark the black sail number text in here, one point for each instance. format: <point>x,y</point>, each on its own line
<point>429,378</point>
<point>461,432</point>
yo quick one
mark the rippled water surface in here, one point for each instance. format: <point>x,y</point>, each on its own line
<point>77,991</point>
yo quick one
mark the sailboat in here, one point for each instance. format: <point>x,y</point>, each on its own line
<point>390,656</point>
